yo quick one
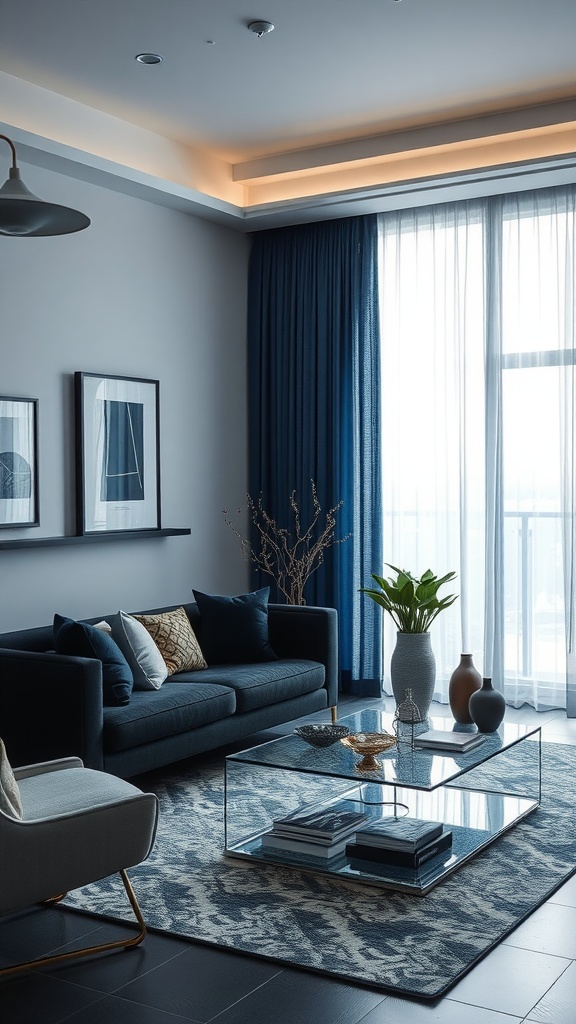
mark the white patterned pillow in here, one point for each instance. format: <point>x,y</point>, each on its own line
<point>141,653</point>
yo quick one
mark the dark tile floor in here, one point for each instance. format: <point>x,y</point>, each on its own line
<point>531,977</point>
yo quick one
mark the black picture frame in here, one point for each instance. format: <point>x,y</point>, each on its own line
<point>117,454</point>
<point>19,506</point>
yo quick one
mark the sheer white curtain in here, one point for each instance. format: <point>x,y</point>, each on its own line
<point>538,304</point>
<point>477,335</point>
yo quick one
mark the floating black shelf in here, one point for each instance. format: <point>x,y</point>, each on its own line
<point>89,538</point>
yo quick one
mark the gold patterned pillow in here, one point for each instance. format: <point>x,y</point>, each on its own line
<point>175,639</point>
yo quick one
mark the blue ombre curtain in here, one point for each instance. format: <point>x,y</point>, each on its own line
<point>314,411</point>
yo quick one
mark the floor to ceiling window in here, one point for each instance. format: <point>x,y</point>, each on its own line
<point>478,315</point>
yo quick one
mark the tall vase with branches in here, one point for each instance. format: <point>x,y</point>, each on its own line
<point>289,554</point>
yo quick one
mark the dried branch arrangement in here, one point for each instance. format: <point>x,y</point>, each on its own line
<point>289,556</point>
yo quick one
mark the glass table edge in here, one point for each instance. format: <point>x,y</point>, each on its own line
<point>243,757</point>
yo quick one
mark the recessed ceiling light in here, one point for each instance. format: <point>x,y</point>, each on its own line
<point>149,58</point>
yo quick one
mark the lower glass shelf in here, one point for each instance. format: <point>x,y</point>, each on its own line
<point>492,813</point>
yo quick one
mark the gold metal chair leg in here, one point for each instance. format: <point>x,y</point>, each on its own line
<point>54,899</point>
<point>334,713</point>
<point>127,943</point>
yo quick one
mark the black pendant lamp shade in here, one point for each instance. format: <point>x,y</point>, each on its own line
<point>23,214</point>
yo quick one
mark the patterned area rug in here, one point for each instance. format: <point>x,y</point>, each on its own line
<point>396,942</point>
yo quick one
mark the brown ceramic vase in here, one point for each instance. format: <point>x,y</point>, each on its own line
<point>464,681</point>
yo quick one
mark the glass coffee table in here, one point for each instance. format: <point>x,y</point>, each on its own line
<point>478,795</point>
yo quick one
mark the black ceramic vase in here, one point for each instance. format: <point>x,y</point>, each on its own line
<point>487,707</point>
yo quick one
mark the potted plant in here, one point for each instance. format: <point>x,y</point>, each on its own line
<point>413,604</point>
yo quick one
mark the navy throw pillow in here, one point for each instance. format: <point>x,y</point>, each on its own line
<point>85,641</point>
<point>234,630</point>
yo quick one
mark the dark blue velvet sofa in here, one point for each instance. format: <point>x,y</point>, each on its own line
<point>51,705</point>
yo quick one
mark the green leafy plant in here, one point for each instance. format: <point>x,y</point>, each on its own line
<point>412,602</point>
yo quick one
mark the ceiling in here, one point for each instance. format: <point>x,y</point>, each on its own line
<point>331,85</point>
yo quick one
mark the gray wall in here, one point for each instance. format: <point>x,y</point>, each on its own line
<point>148,292</point>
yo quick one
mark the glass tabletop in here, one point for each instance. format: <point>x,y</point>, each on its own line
<point>418,768</point>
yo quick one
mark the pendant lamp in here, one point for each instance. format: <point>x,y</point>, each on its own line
<point>23,214</point>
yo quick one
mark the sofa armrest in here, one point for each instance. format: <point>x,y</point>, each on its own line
<point>305,631</point>
<point>50,707</point>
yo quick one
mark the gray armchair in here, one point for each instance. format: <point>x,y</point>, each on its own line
<point>78,825</point>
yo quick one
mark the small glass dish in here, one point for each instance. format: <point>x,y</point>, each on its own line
<point>322,735</point>
<point>369,744</point>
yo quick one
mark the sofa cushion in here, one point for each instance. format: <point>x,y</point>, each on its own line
<point>258,685</point>
<point>175,639</point>
<point>175,708</point>
<point>134,640</point>
<point>86,641</point>
<point>234,630</point>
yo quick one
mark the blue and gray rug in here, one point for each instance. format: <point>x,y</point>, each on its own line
<point>398,943</point>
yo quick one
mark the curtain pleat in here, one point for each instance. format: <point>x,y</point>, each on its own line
<point>493,656</point>
<point>314,411</point>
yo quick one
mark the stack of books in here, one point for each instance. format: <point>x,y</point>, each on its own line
<point>317,832</point>
<point>454,742</point>
<point>404,842</point>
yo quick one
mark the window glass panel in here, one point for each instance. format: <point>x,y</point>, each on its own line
<point>534,596</point>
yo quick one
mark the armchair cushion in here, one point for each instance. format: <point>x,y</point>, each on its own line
<point>86,641</point>
<point>10,802</point>
<point>79,825</point>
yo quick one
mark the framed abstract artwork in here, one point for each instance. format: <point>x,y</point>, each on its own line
<point>117,454</point>
<point>18,462</point>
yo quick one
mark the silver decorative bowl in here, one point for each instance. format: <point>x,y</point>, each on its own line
<point>322,735</point>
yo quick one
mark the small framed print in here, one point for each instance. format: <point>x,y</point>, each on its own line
<point>117,454</point>
<point>18,462</point>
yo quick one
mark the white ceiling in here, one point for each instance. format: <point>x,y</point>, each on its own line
<point>332,71</point>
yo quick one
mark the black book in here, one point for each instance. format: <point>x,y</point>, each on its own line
<point>321,824</point>
<point>407,834</point>
<point>400,858</point>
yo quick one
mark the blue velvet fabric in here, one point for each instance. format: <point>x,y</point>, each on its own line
<point>314,412</point>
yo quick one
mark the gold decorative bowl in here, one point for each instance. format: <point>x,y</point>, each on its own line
<point>368,744</point>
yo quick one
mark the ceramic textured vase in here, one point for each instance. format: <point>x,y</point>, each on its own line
<point>487,707</point>
<point>413,667</point>
<point>464,681</point>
